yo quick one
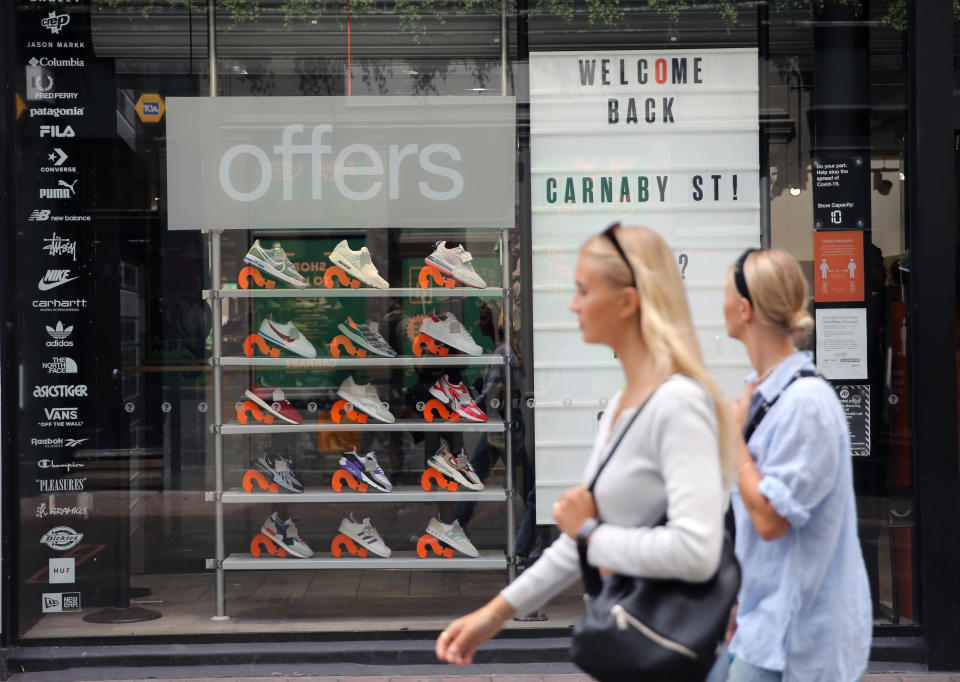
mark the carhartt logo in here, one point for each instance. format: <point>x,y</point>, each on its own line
<point>54,22</point>
<point>54,278</point>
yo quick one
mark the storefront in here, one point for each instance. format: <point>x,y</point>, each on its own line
<point>232,272</point>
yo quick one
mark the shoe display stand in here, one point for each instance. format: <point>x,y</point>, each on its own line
<point>343,553</point>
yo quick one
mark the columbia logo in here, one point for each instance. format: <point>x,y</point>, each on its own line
<point>34,61</point>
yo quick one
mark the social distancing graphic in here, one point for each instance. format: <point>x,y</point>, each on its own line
<point>838,266</point>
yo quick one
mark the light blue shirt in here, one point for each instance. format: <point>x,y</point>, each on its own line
<point>804,599</point>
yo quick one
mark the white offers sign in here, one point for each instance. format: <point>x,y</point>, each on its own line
<point>329,162</point>
<point>666,139</point>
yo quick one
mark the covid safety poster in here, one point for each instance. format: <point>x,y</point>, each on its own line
<point>667,139</point>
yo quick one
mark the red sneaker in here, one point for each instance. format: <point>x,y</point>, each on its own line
<point>275,402</point>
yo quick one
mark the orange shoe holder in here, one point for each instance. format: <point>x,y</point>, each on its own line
<point>336,273</point>
<point>423,340</point>
<point>343,477</point>
<point>261,542</point>
<point>253,476</point>
<point>431,476</point>
<point>255,411</point>
<point>255,340</point>
<point>342,341</point>
<point>427,541</point>
<point>431,272</point>
<point>250,272</point>
<point>434,405</point>
<point>342,409</point>
<point>341,542</point>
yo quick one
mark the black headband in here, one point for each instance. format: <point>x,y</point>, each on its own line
<point>739,280</point>
<point>609,234</point>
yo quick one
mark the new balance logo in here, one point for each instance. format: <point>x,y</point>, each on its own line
<point>37,215</point>
<point>55,278</point>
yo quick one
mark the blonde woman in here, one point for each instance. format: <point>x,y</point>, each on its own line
<point>804,609</point>
<point>672,460</point>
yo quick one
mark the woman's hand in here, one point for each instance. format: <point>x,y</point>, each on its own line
<point>574,507</point>
<point>740,407</point>
<point>460,640</point>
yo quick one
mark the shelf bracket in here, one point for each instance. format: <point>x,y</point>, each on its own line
<point>212,294</point>
<point>213,564</point>
<point>213,361</point>
<point>216,429</point>
<point>212,496</point>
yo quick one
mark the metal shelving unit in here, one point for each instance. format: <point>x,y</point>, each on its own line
<point>221,496</point>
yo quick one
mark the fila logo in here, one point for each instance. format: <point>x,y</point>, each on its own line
<point>55,278</point>
<point>54,22</point>
<point>57,131</point>
<point>61,538</point>
<point>38,215</point>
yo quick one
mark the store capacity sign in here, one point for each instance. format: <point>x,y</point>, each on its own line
<point>340,162</point>
<point>668,139</point>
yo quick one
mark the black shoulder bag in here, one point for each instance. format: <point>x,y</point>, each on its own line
<point>645,629</point>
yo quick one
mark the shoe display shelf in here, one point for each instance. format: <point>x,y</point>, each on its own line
<point>403,560</point>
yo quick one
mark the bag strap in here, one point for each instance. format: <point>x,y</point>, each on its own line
<point>592,582</point>
<point>766,405</point>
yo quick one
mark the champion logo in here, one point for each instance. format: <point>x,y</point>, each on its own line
<point>61,538</point>
<point>38,215</point>
<point>54,278</point>
<point>54,22</point>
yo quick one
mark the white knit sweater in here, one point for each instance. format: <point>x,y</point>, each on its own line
<point>667,461</point>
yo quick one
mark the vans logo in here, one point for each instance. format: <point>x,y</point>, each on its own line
<point>62,412</point>
<point>60,246</point>
<point>61,538</point>
<point>54,278</point>
<point>60,366</point>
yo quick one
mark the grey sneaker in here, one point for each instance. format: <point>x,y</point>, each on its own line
<point>452,534</point>
<point>358,264</point>
<point>364,534</point>
<point>274,263</point>
<point>368,336</point>
<point>447,329</point>
<point>455,262</point>
<point>366,399</point>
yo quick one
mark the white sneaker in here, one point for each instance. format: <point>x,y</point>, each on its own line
<point>447,329</point>
<point>286,535</point>
<point>457,467</point>
<point>366,399</point>
<point>358,264</point>
<point>286,335</point>
<point>364,534</point>
<point>455,262</point>
<point>451,534</point>
<point>275,263</point>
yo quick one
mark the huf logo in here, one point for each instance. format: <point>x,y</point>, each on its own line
<point>54,22</point>
<point>61,538</point>
<point>57,131</point>
<point>62,570</point>
<point>54,278</point>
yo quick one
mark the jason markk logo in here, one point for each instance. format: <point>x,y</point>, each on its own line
<point>54,278</point>
<point>61,538</point>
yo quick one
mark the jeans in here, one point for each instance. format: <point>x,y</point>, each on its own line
<point>737,670</point>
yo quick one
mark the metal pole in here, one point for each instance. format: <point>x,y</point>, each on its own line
<point>212,45</point>
<point>503,48</point>
<point>508,401</point>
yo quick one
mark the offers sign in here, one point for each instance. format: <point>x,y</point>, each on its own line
<point>330,162</point>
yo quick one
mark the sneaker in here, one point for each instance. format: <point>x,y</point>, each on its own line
<point>278,469</point>
<point>365,468</point>
<point>274,263</point>
<point>455,262</point>
<point>358,264</point>
<point>451,534</point>
<point>365,534</point>
<point>366,399</point>
<point>368,336</point>
<point>458,397</point>
<point>447,329</point>
<point>286,335</point>
<point>286,535</point>
<point>457,467</point>
<point>275,402</point>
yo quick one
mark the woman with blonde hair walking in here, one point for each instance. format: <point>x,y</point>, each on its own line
<point>673,461</point>
<point>804,610</point>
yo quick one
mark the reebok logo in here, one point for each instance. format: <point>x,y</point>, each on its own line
<point>54,278</point>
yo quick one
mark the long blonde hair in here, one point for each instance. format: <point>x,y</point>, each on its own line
<point>664,316</point>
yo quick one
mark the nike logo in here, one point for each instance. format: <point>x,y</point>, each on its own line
<point>283,337</point>
<point>55,278</point>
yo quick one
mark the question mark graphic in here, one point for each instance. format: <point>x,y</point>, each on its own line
<point>684,261</point>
